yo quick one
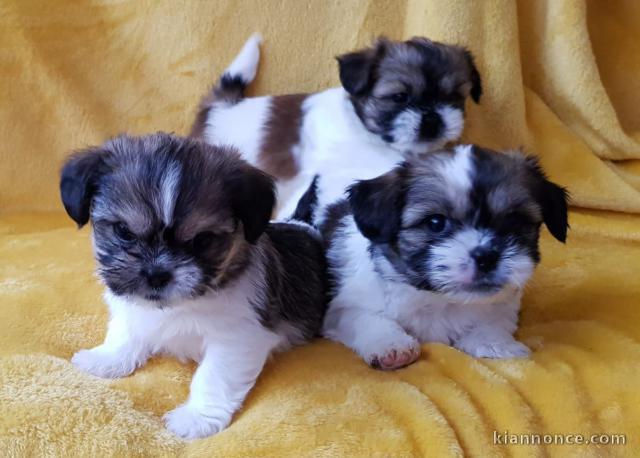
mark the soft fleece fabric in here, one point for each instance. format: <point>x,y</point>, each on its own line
<point>560,79</point>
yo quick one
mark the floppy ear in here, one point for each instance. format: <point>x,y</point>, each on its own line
<point>476,83</point>
<point>377,205</point>
<point>553,201</point>
<point>356,68</point>
<point>78,182</point>
<point>253,198</point>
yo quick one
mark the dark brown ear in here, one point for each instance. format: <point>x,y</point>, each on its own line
<point>377,205</point>
<point>79,180</point>
<point>553,200</point>
<point>253,198</point>
<point>476,83</point>
<point>356,68</point>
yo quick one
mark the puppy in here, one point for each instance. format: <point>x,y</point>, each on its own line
<point>437,250</point>
<point>398,99</point>
<point>193,268</point>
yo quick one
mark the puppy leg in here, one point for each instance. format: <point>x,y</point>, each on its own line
<point>380,341</point>
<point>120,354</point>
<point>219,386</point>
<point>489,341</point>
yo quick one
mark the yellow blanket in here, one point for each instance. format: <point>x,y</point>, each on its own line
<point>560,79</point>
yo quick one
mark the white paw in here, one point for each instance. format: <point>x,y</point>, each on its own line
<point>499,349</point>
<point>102,363</point>
<point>186,422</point>
<point>394,353</point>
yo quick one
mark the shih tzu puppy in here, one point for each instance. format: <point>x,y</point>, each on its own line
<point>398,99</point>
<point>192,267</point>
<point>437,250</point>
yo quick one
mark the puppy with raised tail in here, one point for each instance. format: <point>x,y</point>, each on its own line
<point>398,99</point>
<point>437,250</point>
<point>193,268</point>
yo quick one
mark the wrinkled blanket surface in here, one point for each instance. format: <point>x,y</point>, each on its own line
<point>560,79</point>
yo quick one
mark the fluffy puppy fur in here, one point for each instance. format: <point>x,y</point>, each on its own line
<point>398,99</point>
<point>193,268</point>
<point>437,250</point>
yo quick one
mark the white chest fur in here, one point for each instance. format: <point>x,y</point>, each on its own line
<point>378,317</point>
<point>185,330</point>
<point>219,330</point>
<point>433,317</point>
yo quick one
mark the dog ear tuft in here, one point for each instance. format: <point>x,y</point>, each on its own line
<point>553,200</point>
<point>377,205</point>
<point>253,200</point>
<point>356,68</point>
<point>476,82</point>
<point>78,182</point>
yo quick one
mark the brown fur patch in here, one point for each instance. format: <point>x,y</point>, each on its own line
<point>199,124</point>
<point>282,133</point>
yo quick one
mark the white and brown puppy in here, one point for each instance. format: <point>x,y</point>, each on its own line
<point>437,250</point>
<point>398,99</point>
<point>193,268</point>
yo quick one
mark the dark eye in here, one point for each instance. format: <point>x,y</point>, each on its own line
<point>123,233</point>
<point>203,240</point>
<point>436,223</point>
<point>400,97</point>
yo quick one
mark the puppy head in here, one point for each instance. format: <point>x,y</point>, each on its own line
<point>464,222</point>
<point>411,93</point>
<point>171,217</point>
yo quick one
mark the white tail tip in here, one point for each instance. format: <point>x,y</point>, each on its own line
<point>256,39</point>
<point>246,62</point>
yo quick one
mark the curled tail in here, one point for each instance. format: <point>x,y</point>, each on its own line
<point>240,73</point>
<point>230,87</point>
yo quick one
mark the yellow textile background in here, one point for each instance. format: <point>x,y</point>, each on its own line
<point>561,78</point>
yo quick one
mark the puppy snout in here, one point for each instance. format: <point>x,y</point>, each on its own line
<point>485,259</point>
<point>431,125</point>
<point>157,278</point>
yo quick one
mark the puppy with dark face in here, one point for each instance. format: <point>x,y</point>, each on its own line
<point>438,250</point>
<point>192,267</point>
<point>412,93</point>
<point>398,99</point>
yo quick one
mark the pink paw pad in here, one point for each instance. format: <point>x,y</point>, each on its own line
<point>395,359</point>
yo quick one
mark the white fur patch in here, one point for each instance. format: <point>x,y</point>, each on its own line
<point>169,191</point>
<point>406,130</point>
<point>240,125</point>
<point>517,266</point>
<point>335,145</point>
<point>453,120</point>
<point>245,65</point>
<point>214,330</point>
<point>454,255</point>
<point>406,127</point>
<point>453,268</point>
<point>456,170</point>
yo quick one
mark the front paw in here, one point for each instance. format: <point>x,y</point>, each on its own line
<point>497,350</point>
<point>188,423</point>
<point>399,352</point>
<point>103,363</point>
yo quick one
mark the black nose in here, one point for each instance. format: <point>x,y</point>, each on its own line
<point>158,278</point>
<point>431,125</point>
<point>486,259</point>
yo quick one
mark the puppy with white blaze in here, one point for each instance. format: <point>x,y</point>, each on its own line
<point>398,99</point>
<point>193,268</point>
<point>437,250</point>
